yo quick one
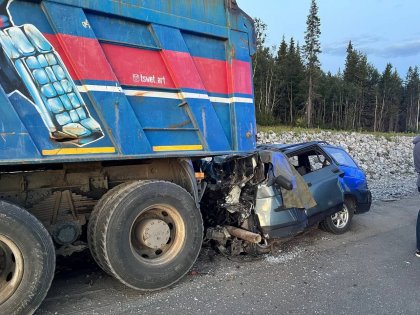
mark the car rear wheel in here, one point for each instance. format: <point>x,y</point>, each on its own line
<point>339,222</point>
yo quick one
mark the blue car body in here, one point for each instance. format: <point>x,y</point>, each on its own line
<point>353,181</point>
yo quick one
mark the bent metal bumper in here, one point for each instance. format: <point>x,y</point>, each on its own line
<point>365,203</point>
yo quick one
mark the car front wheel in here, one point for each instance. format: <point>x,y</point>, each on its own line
<point>339,222</point>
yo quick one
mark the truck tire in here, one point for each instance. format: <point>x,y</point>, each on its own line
<point>92,229</point>
<point>339,222</point>
<point>27,260</point>
<point>148,234</point>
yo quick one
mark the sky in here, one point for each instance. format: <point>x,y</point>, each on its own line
<point>385,30</point>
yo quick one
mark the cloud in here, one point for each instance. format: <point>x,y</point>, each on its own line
<point>339,48</point>
<point>404,49</point>
<point>376,46</point>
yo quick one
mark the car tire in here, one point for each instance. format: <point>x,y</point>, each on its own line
<point>148,234</point>
<point>27,260</point>
<point>339,222</point>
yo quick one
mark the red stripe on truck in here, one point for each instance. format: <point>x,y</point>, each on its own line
<point>213,73</point>
<point>138,67</point>
<point>83,57</point>
<point>183,70</point>
<point>242,77</point>
<point>87,59</point>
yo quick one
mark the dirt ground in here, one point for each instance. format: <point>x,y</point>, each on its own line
<point>369,270</point>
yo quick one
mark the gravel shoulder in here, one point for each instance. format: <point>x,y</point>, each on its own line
<point>369,270</point>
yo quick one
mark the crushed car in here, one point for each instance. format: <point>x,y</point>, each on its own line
<point>250,201</point>
<point>309,157</point>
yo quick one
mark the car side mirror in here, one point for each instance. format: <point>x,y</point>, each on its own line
<point>339,172</point>
<point>280,180</point>
<point>283,182</point>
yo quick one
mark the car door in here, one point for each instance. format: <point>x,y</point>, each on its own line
<point>354,177</point>
<point>321,175</point>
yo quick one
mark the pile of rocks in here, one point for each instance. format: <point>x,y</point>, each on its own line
<point>387,161</point>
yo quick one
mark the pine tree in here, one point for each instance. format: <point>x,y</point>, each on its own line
<point>280,79</point>
<point>411,104</point>
<point>287,83</point>
<point>295,75</point>
<point>350,70</point>
<point>312,49</point>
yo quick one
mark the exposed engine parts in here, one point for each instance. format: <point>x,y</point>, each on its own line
<point>228,203</point>
<point>245,235</point>
<point>244,192</point>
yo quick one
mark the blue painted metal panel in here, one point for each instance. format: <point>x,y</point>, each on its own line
<point>208,11</point>
<point>244,117</point>
<point>154,112</point>
<point>168,138</point>
<point>169,38</point>
<point>138,74</point>
<point>25,12</point>
<point>167,12</point>
<point>73,22</point>
<point>205,46</point>
<point>223,112</point>
<point>123,31</point>
<point>15,140</point>
<point>239,42</point>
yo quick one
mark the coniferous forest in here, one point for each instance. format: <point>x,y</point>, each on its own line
<point>292,89</point>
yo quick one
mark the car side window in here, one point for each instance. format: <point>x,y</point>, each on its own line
<point>309,161</point>
<point>318,161</point>
<point>294,161</point>
<point>341,156</point>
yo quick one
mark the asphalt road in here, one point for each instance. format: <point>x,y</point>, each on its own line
<point>369,270</point>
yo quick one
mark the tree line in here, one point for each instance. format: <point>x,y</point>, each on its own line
<point>291,88</point>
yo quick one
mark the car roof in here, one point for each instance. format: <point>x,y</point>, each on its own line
<point>287,148</point>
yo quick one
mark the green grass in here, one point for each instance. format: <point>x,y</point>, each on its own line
<point>285,128</point>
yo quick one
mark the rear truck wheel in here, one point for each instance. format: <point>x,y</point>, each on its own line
<point>27,260</point>
<point>92,229</point>
<point>148,234</point>
<point>339,222</point>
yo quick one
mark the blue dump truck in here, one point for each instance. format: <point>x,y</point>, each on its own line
<point>104,107</point>
<point>127,128</point>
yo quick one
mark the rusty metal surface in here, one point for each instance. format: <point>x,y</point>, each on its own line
<point>244,234</point>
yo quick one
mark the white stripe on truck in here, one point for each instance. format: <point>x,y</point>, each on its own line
<point>167,95</point>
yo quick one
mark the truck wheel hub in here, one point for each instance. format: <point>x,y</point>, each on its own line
<point>153,233</point>
<point>11,268</point>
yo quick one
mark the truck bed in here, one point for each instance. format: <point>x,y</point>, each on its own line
<point>107,80</point>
